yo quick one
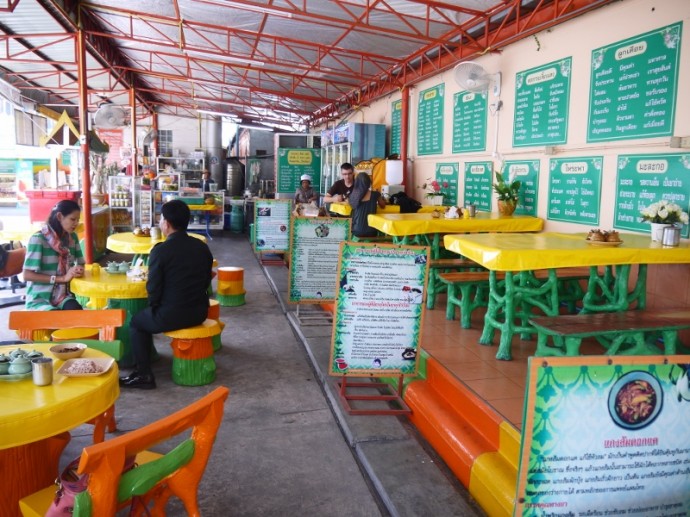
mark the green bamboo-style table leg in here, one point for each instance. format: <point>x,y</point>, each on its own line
<point>131,307</point>
<point>492,312</point>
<point>611,293</point>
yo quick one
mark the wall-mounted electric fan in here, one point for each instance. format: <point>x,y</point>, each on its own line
<point>473,77</point>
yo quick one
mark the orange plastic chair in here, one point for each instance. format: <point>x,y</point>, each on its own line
<point>176,473</point>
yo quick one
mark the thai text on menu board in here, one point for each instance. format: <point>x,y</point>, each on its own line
<point>478,181</point>
<point>447,177</point>
<point>271,225</point>
<point>527,173</point>
<point>396,126</point>
<point>633,86</point>
<point>575,189</point>
<point>379,307</point>
<point>314,254</point>
<point>469,122</point>
<point>292,163</point>
<point>541,104</point>
<point>430,121</point>
<point>644,179</point>
<point>605,435</point>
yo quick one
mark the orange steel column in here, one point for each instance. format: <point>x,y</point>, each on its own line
<point>133,108</point>
<point>84,144</point>
<point>404,126</point>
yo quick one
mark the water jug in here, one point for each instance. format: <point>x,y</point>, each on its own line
<point>671,236</point>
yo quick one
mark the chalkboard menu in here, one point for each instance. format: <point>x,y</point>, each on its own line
<point>541,104</point>
<point>430,121</point>
<point>575,189</point>
<point>644,179</point>
<point>527,173</point>
<point>469,122</point>
<point>447,176</point>
<point>396,126</point>
<point>292,163</point>
<point>478,181</point>
<point>632,92</point>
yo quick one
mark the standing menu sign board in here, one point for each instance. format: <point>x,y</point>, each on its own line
<point>396,126</point>
<point>314,253</point>
<point>632,91</point>
<point>527,172</point>
<point>478,181</point>
<point>575,189</point>
<point>271,225</point>
<point>447,174</point>
<point>605,439</point>
<point>430,121</point>
<point>644,179</point>
<point>379,308</point>
<point>292,163</point>
<point>469,122</point>
<point>541,110</point>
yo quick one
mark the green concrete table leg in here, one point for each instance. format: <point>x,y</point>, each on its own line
<point>491,317</point>
<point>507,328</point>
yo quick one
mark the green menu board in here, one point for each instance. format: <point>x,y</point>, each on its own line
<point>396,126</point>
<point>447,176</point>
<point>292,163</point>
<point>632,92</point>
<point>575,189</point>
<point>430,121</point>
<point>478,181</point>
<point>541,104</point>
<point>469,122</point>
<point>644,179</point>
<point>527,172</point>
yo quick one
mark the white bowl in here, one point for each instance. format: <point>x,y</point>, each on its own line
<point>68,350</point>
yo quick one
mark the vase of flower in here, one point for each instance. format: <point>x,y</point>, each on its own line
<point>661,214</point>
<point>435,200</point>
<point>435,192</point>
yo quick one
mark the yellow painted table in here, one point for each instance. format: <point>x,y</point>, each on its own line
<point>519,252</point>
<point>35,420</point>
<point>207,210</point>
<point>129,243</point>
<point>346,210</point>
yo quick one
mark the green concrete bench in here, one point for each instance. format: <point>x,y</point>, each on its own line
<point>445,265</point>
<point>622,332</point>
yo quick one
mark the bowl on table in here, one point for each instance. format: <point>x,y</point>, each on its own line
<point>66,351</point>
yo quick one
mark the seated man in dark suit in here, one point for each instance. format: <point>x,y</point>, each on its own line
<point>178,279</point>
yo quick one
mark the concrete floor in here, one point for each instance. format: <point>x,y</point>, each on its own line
<point>286,446</point>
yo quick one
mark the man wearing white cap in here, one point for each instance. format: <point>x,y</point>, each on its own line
<point>305,194</point>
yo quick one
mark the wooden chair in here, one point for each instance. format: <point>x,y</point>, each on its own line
<point>176,473</point>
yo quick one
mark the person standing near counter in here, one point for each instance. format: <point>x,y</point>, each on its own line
<point>178,278</point>
<point>364,202</point>
<point>53,259</point>
<point>206,181</point>
<point>341,189</point>
<point>305,194</point>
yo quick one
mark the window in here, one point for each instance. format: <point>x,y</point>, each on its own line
<point>165,142</point>
<point>29,128</point>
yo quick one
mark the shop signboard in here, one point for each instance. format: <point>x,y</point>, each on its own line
<point>605,435</point>
<point>292,163</point>
<point>575,189</point>
<point>478,181</point>
<point>643,179</point>
<point>633,86</point>
<point>396,126</point>
<point>542,95</point>
<point>469,122</point>
<point>379,309</point>
<point>430,121</point>
<point>527,173</point>
<point>314,254</point>
<point>447,176</point>
<point>271,225</point>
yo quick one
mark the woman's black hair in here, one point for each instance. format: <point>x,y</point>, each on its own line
<point>360,188</point>
<point>64,207</point>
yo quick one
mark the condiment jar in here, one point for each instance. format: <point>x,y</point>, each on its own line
<point>4,364</point>
<point>19,365</point>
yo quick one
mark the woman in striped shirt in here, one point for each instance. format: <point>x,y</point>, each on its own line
<point>53,258</point>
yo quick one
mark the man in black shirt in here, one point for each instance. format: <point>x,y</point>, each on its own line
<point>341,189</point>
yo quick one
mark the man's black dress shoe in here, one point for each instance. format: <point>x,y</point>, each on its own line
<point>137,380</point>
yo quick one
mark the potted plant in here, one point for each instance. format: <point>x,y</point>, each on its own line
<point>435,191</point>
<point>508,194</point>
<point>661,214</point>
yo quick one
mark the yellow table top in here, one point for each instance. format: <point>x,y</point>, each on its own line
<point>127,242</point>
<point>346,210</point>
<point>29,413</point>
<point>108,285</point>
<point>203,208</point>
<point>522,251</point>
<point>400,225</point>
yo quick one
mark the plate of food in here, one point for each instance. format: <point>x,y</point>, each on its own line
<point>66,351</point>
<point>91,367</point>
<point>635,400</point>
<point>604,238</point>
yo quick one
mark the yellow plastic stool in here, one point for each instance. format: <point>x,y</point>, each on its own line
<point>73,334</point>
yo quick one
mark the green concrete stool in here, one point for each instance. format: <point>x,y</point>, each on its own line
<point>193,361</point>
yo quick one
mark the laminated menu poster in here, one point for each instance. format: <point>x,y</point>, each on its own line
<point>606,436</point>
<point>396,126</point>
<point>314,254</point>
<point>575,189</point>
<point>271,225</point>
<point>447,177</point>
<point>379,308</point>
<point>527,173</point>
<point>292,163</point>
<point>643,179</point>
<point>469,122</point>
<point>478,180</point>
<point>633,86</point>
<point>430,121</point>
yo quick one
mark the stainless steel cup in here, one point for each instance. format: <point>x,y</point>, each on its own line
<point>42,371</point>
<point>472,209</point>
